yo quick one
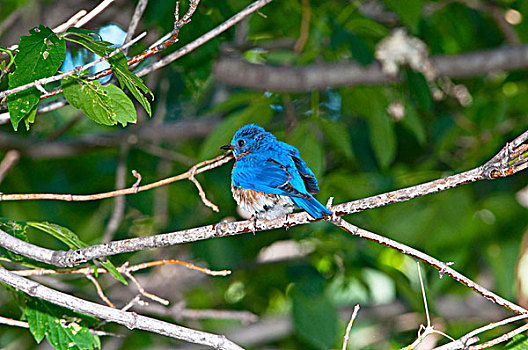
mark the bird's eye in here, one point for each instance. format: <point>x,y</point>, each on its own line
<point>241,143</point>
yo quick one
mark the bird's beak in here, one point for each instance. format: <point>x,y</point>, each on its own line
<point>228,147</point>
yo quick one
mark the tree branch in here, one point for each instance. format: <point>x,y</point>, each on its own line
<point>145,133</point>
<point>500,165</point>
<point>129,319</point>
<point>237,72</point>
<point>197,169</point>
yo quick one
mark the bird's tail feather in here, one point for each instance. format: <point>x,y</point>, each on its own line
<point>312,206</point>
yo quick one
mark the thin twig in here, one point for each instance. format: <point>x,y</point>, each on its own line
<point>23,324</point>
<point>119,201</point>
<point>138,12</point>
<point>500,339</point>
<point>424,331</point>
<point>204,38</point>
<point>441,266</point>
<point>305,26</point>
<point>11,322</point>
<point>75,70</point>
<point>349,326</point>
<point>70,22</point>
<point>11,158</point>
<point>97,10</point>
<point>128,319</point>
<point>201,192</point>
<point>166,60</point>
<point>124,268</point>
<point>471,337</point>
<point>144,292</point>
<point>200,167</point>
<point>99,290</point>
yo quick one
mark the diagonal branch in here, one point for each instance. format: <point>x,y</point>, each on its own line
<point>131,320</point>
<point>72,258</point>
<point>441,266</point>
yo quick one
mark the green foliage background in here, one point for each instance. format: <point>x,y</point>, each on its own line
<point>350,141</point>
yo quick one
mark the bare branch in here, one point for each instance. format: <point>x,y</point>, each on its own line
<point>99,290</point>
<point>11,158</point>
<point>138,12</point>
<point>471,337</point>
<point>72,258</point>
<point>178,131</point>
<point>119,201</point>
<point>349,326</point>
<point>129,319</point>
<point>204,38</point>
<point>237,72</point>
<point>198,168</point>
<point>76,70</point>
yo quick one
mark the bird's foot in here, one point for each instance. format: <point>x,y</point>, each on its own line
<point>253,220</point>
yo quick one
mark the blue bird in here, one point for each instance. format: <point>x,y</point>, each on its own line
<point>269,177</point>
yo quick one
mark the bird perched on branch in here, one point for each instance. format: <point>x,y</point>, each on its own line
<point>269,177</point>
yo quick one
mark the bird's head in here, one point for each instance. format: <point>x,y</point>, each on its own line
<point>248,139</point>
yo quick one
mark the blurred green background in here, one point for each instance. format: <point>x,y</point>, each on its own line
<point>302,283</point>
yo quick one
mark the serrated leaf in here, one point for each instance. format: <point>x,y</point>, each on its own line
<point>315,319</point>
<point>105,105</point>
<point>61,233</point>
<point>58,325</point>
<point>130,80</point>
<point>90,40</point>
<point>69,238</point>
<point>409,11</point>
<point>40,55</point>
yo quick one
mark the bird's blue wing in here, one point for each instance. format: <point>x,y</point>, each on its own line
<point>266,175</point>
<point>306,173</point>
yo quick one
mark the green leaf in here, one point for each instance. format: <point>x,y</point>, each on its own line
<point>315,319</point>
<point>130,80</point>
<point>112,270</point>
<point>69,238</point>
<point>360,50</point>
<point>419,90</point>
<point>105,105</point>
<point>382,136</point>
<point>63,234</point>
<point>409,11</point>
<point>40,55</point>
<point>90,40</point>
<point>371,103</point>
<point>60,326</point>
<point>413,123</point>
<point>518,342</point>
<point>337,134</point>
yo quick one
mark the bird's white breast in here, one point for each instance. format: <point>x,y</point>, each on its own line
<point>262,205</point>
